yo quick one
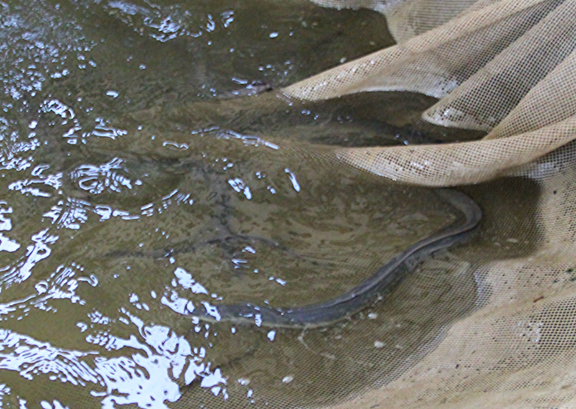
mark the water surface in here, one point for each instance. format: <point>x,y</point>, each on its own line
<point>132,189</point>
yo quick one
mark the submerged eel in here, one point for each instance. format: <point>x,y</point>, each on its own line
<point>363,295</point>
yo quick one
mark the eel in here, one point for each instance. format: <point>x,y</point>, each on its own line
<point>363,295</point>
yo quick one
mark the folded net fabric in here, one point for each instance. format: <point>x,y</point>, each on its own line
<point>507,68</point>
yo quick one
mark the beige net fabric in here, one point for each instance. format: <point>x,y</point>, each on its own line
<point>490,65</point>
<point>507,68</point>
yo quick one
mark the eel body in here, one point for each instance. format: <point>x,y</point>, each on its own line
<point>363,295</point>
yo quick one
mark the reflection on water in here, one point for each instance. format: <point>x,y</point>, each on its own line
<point>131,192</point>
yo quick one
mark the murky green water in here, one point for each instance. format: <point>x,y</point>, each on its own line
<point>130,190</point>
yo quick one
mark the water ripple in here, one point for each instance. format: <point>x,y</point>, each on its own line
<point>34,254</point>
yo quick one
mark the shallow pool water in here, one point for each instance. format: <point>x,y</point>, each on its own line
<point>134,185</point>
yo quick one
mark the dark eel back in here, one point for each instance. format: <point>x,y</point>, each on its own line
<point>364,294</point>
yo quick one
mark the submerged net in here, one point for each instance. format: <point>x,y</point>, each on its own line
<point>507,68</point>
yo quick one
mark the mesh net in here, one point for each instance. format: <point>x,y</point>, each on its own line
<point>506,68</point>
